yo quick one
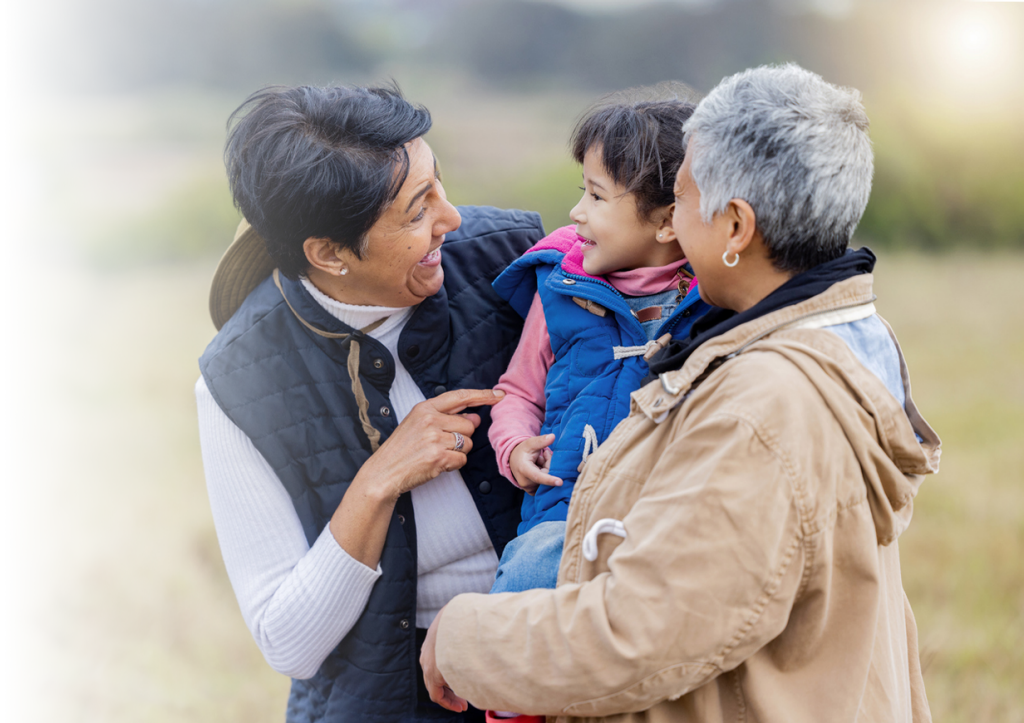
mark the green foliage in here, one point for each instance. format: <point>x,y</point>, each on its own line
<point>195,221</point>
<point>550,189</point>
<point>942,185</point>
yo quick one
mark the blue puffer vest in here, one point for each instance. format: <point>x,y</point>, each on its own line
<point>586,384</point>
<point>290,391</point>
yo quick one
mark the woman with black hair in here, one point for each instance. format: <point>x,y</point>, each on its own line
<point>352,492</point>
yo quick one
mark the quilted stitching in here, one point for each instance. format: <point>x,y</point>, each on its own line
<point>359,679</point>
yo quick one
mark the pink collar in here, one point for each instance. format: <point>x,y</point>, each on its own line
<point>647,280</point>
<point>635,282</point>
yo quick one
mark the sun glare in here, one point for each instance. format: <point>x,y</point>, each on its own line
<point>977,41</point>
<point>972,50</point>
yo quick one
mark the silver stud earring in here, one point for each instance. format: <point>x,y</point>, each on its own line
<point>660,235</point>
<point>343,271</point>
<point>725,259</point>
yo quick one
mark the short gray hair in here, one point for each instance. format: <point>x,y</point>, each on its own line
<point>792,146</point>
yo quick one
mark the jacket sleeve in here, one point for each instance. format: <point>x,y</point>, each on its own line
<point>297,601</point>
<point>707,574</point>
<point>520,415</point>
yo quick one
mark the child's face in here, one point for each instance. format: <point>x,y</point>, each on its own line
<point>615,239</point>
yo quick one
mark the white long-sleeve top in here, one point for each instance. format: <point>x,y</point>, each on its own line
<point>300,601</point>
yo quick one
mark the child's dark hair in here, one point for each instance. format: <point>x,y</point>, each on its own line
<point>641,145</point>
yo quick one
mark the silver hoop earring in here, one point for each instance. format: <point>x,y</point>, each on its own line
<point>725,258</point>
<point>343,271</point>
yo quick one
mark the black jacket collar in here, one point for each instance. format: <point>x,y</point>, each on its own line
<point>799,288</point>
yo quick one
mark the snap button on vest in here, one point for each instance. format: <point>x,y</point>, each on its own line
<point>403,623</point>
<point>401,519</point>
<point>440,389</point>
<point>413,351</point>
<point>385,412</point>
<point>378,363</point>
<point>485,487</point>
<point>568,282</point>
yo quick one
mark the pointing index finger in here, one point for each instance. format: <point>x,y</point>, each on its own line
<point>455,401</point>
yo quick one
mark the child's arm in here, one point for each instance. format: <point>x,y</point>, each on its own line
<point>519,416</point>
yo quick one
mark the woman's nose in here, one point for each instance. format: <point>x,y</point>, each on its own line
<point>448,220</point>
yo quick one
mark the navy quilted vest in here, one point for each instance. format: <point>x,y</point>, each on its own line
<point>289,390</point>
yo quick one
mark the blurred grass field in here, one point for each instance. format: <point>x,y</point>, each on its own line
<point>130,608</point>
<point>127,605</point>
<point>122,611</point>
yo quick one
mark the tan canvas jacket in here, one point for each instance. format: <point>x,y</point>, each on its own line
<point>754,573</point>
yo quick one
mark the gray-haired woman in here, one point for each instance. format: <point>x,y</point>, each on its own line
<point>731,550</point>
<point>351,492</point>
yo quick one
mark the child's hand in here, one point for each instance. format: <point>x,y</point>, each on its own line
<point>530,462</point>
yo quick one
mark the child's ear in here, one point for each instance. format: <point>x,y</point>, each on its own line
<point>663,220</point>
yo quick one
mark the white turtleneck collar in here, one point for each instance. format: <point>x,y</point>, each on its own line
<point>358,316</point>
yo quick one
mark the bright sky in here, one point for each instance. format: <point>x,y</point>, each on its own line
<point>838,8</point>
<point>826,6</point>
<point>617,4</point>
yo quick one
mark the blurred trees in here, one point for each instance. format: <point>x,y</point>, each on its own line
<point>948,161</point>
<point>89,46</point>
<point>519,42</point>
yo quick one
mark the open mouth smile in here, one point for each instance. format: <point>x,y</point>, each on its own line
<point>431,259</point>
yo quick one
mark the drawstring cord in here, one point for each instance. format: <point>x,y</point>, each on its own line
<point>622,352</point>
<point>646,351</point>
<point>372,433</point>
<point>589,445</point>
<point>358,392</point>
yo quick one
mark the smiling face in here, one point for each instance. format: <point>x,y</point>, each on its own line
<point>700,242</point>
<point>731,232</point>
<point>614,238</point>
<point>401,265</point>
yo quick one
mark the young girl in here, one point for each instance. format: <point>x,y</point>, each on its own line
<point>597,297</point>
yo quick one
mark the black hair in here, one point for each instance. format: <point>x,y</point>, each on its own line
<point>641,146</point>
<point>320,162</point>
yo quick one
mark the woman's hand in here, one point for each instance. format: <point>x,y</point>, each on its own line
<point>420,448</point>
<point>530,462</point>
<point>423,445</point>
<point>438,689</point>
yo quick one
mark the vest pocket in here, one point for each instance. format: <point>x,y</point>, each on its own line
<point>593,356</point>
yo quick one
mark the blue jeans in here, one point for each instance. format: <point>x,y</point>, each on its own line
<point>531,560</point>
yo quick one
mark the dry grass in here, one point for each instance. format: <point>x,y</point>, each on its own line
<point>127,612</point>
<point>961,322</point>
